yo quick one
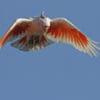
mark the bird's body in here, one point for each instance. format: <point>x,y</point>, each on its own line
<point>38,32</point>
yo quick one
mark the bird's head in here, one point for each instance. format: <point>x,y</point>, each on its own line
<point>45,21</point>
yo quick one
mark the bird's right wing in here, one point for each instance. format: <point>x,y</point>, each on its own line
<point>20,28</point>
<point>24,36</point>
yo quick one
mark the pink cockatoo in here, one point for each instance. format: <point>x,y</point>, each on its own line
<point>38,32</point>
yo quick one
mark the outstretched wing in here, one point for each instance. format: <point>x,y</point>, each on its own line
<point>24,34</point>
<point>61,30</point>
<point>19,28</point>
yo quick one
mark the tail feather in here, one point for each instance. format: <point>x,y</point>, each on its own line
<point>33,44</point>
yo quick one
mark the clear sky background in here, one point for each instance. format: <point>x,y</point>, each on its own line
<point>58,72</point>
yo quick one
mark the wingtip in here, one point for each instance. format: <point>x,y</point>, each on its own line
<point>93,48</point>
<point>0,44</point>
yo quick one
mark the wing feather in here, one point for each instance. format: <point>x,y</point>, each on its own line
<point>62,30</point>
<point>19,28</point>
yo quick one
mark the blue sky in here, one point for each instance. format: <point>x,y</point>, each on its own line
<point>58,72</point>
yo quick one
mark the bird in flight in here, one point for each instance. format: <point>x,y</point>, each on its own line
<point>29,34</point>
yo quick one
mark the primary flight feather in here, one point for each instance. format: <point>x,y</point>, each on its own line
<point>38,32</point>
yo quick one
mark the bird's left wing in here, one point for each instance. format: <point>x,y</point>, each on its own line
<point>61,30</point>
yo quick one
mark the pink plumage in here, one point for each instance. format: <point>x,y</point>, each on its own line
<point>38,32</point>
